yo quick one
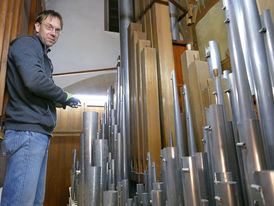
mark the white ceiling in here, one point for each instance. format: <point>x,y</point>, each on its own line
<point>83,43</point>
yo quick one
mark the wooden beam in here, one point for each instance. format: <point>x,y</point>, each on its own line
<point>85,71</point>
<point>179,6</point>
<point>134,34</point>
<point>198,74</point>
<point>141,44</point>
<point>165,64</point>
<point>151,106</point>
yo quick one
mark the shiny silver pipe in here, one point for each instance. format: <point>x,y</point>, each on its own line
<point>106,112</point>
<point>73,175</point>
<point>119,158</point>
<point>207,138</point>
<point>125,143</point>
<point>126,15</point>
<point>226,190</point>
<point>118,96</point>
<point>160,186</point>
<point>210,66</point>
<point>264,186</point>
<point>154,173</point>
<point>252,151</point>
<point>120,194</point>
<point>145,199</point>
<point>220,157</point>
<point>268,29</point>
<point>113,142</point>
<point>173,176</point>
<point>100,158</point>
<point>177,116</point>
<point>92,188</point>
<point>103,126</point>
<point>217,71</point>
<point>145,177</point>
<point>223,154</point>
<point>171,140</point>
<point>219,92</point>
<point>215,58</point>
<point>113,173</point>
<point>192,195</point>
<point>110,185</point>
<point>189,125</point>
<point>230,98</point>
<point>129,202</point>
<point>157,198</point>
<point>149,171</point>
<point>135,200</point>
<point>90,127</point>
<point>82,170</point>
<point>233,105</point>
<point>173,21</point>
<point>163,167</point>
<point>125,184</point>
<point>225,74</point>
<point>110,198</point>
<point>113,117</point>
<point>140,191</point>
<point>238,65</point>
<point>244,42</point>
<point>109,105</point>
<point>234,96</point>
<point>264,93</point>
<point>205,181</point>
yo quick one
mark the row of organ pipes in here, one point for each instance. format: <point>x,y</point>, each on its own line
<point>237,165</point>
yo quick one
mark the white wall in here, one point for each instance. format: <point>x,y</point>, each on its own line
<point>83,43</point>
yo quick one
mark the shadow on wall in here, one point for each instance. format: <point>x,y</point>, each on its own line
<point>97,85</point>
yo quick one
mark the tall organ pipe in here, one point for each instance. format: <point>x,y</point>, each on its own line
<point>190,132</point>
<point>125,8</point>
<point>268,29</point>
<point>244,43</point>
<point>177,116</point>
<point>264,94</point>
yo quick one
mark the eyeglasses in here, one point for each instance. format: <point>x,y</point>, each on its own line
<point>51,28</point>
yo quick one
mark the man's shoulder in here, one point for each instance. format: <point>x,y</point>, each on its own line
<point>25,40</point>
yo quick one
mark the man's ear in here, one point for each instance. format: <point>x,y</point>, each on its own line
<point>37,27</point>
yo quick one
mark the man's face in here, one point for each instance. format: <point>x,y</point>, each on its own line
<point>49,30</point>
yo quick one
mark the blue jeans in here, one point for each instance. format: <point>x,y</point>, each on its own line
<point>25,178</point>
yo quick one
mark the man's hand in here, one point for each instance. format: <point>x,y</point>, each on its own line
<point>71,101</point>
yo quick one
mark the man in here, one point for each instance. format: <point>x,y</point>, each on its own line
<point>31,112</point>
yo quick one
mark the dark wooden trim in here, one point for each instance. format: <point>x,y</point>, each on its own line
<point>85,71</point>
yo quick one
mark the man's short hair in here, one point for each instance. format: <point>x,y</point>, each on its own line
<point>45,14</point>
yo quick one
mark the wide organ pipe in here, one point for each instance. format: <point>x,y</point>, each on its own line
<point>90,120</point>
<point>244,43</point>
<point>268,29</point>
<point>264,93</point>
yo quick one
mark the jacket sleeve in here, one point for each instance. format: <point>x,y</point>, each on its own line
<point>26,56</point>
